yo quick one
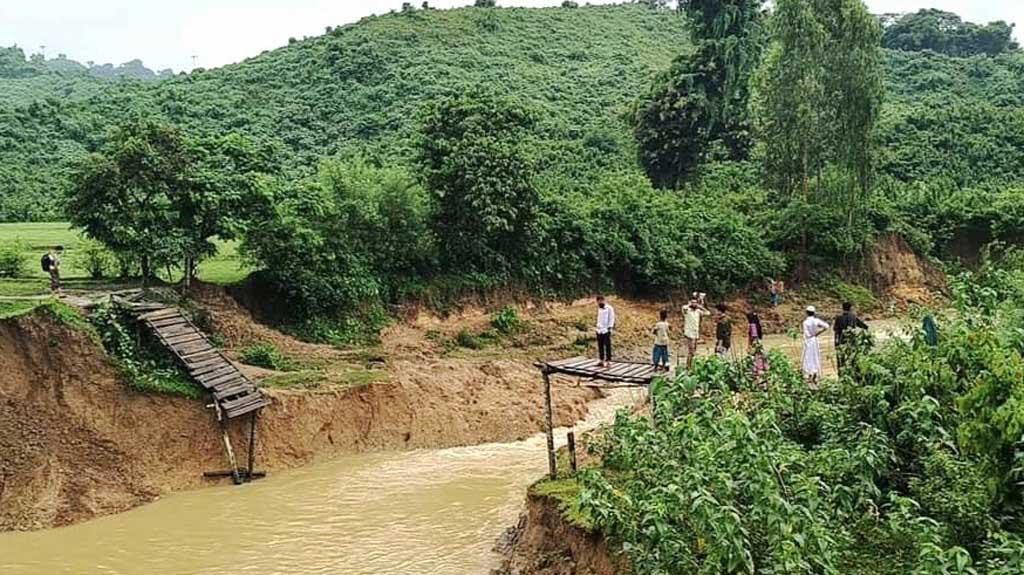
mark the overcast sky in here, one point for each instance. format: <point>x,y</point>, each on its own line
<point>167,34</point>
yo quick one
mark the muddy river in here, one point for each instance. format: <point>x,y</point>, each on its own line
<point>421,512</point>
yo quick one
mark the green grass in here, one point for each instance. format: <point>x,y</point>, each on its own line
<point>9,309</point>
<point>566,493</point>
<point>310,379</point>
<point>224,268</point>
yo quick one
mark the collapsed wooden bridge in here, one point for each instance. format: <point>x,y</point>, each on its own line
<point>234,395</point>
<point>611,375</point>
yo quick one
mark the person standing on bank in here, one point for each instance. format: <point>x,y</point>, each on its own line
<point>845,322</point>
<point>659,357</point>
<point>605,325</point>
<point>813,327</point>
<point>51,264</point>
<point>692,315</point>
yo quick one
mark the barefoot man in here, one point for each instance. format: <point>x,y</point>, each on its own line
<point>692,314</point>
<point>812,328</point>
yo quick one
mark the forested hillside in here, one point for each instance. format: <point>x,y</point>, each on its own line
<point>360,89</point>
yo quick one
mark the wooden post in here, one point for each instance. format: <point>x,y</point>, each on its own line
<point>654,406</point>
<point>235,476</point>
<point>252,445</point>
<point>549,427</point>
<point>571,438</point>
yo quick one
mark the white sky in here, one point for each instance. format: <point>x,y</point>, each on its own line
<point>167,34</point>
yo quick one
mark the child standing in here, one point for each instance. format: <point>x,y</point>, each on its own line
<point>661,339</point>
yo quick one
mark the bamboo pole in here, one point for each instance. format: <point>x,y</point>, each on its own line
<point>571,439</point>
<point>252,444</point>
<point>549,427</point>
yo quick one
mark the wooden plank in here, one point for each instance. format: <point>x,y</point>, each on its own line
<point>212,374</point>
<point>168,321</point>
<point>176,331</point>
<point>239,388</point>
<point>190,349</point>
<point>234,404</point>
<point>639,371</point>
<point>617,370</point>
<point>206,364</point>
<point>160,313</point>
<point>215,381</point>
<point>247,409</point>
<point>201,357</point>
<point>219,377</point>
<point>185,338</point>
<point>210,366</point>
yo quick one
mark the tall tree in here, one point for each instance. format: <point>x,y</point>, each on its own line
<point>157,198</point>
<point>474,157</point>
<point>946,33</point>
<point>698,108</point>
<point>818,96</point>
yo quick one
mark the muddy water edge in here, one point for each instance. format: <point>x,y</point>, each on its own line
<point>424,512</point>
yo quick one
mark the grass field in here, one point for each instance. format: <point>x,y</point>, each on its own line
<point>36,238</point>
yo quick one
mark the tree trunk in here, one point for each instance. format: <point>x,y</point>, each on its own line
<point>802,267</point>
<point>188,272</point>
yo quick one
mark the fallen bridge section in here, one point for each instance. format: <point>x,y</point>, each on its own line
<point>233,393</point>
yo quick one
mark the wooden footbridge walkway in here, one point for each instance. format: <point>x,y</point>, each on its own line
<point>610,375</point>
<point>233,393</point>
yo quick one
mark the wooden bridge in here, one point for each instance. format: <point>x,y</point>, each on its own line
<point>614,374</point>
<point>233,394</point>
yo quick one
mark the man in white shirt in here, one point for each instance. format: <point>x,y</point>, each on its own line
<point>692,315</point>
<point>605,325</point>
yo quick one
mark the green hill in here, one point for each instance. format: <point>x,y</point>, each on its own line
<point>359,89</point>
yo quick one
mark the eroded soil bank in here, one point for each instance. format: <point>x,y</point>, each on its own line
<point>75,442</point>
<point>546,543</point>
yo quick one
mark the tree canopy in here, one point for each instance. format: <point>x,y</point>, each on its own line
<point>946,33</point>
<point>156,198</point>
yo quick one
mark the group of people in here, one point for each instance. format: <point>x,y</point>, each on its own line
<point>696,310</point>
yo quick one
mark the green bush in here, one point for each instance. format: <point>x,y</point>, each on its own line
<point>147,368</point>
<point>910,463</point>
<point>467,340</point>
<point>860,296</point>
<point>95,258</point>
<point>266,355</point>
<point>506,321</point>
<point>12,259</point>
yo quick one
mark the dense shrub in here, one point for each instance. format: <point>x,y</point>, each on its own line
<point>337,247</point>
<point>265,355</point>
<point>13,260</point>
<point>910,463</point>
<point>95,258</point>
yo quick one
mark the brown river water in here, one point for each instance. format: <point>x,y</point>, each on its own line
<point>412,513</point>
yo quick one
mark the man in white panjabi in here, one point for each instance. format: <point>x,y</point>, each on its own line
<point>812,328</point>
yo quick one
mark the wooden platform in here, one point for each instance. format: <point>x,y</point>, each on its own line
<point>622,372</point>
<point>233,393</point>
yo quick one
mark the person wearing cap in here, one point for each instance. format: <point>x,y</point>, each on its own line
<point>811,361</point>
